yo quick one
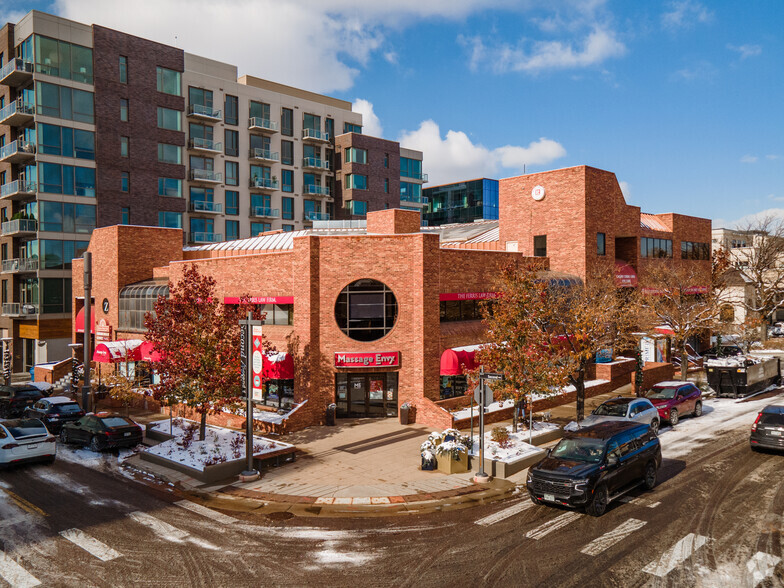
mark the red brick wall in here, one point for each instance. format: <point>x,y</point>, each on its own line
<point>393,222</point>
<point>653,373</point>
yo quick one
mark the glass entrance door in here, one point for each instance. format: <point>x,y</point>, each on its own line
<point>366,395</point>
<point>358,391</point>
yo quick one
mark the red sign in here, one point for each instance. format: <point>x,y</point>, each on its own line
<point>625,276</point>
<point>371,359</point>
<point>257,362</point>
<point>103,332</point>
<point>469,296</point>
<point>260,300</point>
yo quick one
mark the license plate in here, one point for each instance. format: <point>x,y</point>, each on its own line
<point>128,434</point>
<point>549,497</point>
<point>776,433</point>
<point>34,446</point>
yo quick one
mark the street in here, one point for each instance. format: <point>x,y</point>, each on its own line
<point>714,519</point>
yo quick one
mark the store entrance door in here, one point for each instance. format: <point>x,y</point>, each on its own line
<point>366,395</point>
<point>357,389</point>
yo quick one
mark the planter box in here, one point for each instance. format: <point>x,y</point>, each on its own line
<point>501,469</point>
<point>154,434</point>
<point>448,465</point>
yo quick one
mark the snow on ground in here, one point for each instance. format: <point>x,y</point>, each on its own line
<point>519,447</point>
<point>220,444</point>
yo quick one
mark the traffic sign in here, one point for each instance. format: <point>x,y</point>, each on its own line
<point>478,395</point>
<point>492,376</point>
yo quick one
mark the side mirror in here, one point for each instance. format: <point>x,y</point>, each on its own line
<point>612,460</point>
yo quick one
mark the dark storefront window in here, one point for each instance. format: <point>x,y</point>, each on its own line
<point>540,246</point>
<point>461,310</point>
<point>452,386</point>
<point>279,393</point>
<point>366,310</point>
<point>366,394</point>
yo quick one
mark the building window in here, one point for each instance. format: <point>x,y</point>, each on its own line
<point>350,128</point>
<point>411,168</point>
<point>288,208</point>
<point>231,110</point>
<point>63,59</point>
<point>123,110</point>
<point>287,177</point>
<point>123,69</point>
<point>126,216</point>
<point>66,179</point>
<point>356,155</point>
<point>357,207</point>
<point>135,302</point>
<point>169,118</point>
<point>232,202</point>
<point>287,152</point>
<point>169,81</point>
<point>65,103</point>
<point>461,310</point>
<point>287,122</point>
<point>232,173</point>
<point>123,146</point>
<point>651,247</point>
<point>287,228</point>
<point>386,159</point>
<point>690,250</point>
<point>231,142</point>
<point>600,244</point>
<point>170,187</point>
<point>386,185</point>
<point>172,220</point>
<point>366,310</point>
<point>125,181</point>
<point>540,246</point>
<point>64,141</point>
<point>258,228</point>
<point>356,182</point>
<point>168,153</point>
<point>232,230</point>
<point>200,97</point>
<point>65,217</point>
<point>410,192</point>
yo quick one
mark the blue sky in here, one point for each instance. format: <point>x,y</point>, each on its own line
<point>681,99</point>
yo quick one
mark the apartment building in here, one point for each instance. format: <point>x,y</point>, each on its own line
<point>99,128</point>
<point>461,202</point>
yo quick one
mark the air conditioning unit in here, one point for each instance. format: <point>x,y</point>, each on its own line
<point>28,309</point>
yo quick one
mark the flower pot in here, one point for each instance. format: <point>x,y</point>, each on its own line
<point>450,465</point>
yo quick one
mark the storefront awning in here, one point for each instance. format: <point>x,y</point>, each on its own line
<point>114,351</point>
<point>79,322</point>
<point>664,330</point>
<point>278,366</point>
<point>148,353</point>
<point>625,275</point>
<point>458,360</point>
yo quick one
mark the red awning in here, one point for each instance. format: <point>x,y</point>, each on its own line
<point>625,276</point>
<point>664,330</point>
<point>114,351</point>
<point>455,362</point>
<point>79,322</point>
<point>278,366</point>
<point>148,353</point>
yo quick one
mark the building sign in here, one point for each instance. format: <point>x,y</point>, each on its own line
<point>538,193</point>
<point>103,331</point>
<point>371,359</point>
<point>469,296</point>
<point>105,306</point>
<point>625,276</point>
<point>260,300</point>
<point>257,363</point>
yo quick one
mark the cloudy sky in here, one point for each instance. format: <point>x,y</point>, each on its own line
<point>682,99</point>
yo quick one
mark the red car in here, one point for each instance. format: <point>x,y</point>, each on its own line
<point>675,399</point>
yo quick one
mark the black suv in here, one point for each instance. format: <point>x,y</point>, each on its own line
<point>54,412</point>
<point>591,467</point>
<point>15,399</point>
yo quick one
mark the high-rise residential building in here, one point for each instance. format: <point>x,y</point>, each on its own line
<point>461,202</point>
<point>98,128</point>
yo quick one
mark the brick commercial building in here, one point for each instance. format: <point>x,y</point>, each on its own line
<point>371,315</point>
<point>98,128</point>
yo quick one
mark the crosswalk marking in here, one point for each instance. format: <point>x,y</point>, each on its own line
<point>90,544</point>
<point>610,538</point>
<point>553,525</point>
<point>499,516</point>
<point>15,574</point>
<point>206,512</point>
<point>675,555</point>
<point>161,528</point>
<point>760,566</point>
<point>639,501</point>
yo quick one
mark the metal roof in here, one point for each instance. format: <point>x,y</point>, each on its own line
<point>650,222</point>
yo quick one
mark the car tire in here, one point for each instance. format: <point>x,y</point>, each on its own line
<point>650,476</point>
<point>655,427</point>
<point>96,445</point>
<point>598,504</point>
<point>698,409</point>
<point>63,437</point>
<point>674,417</point>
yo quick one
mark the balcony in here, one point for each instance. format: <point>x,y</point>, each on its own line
<point>316,216</point>
<point>205,237</point>
<point>17,151</point>
<point>264,155</point>
<point>20,265</point>
<point>206,207</point>
<point>16,309</point>
<point>202,112</point>
<point>206,145</point>
<point>264,212</point>
<point>315,190</point>
<point>315,163</point>
<point>19,227</point>
<point>421,177</point>
<point>17,114</point>
<point>16,72</point>
<point>262,125</point>
<point>314,135</point>
<point>413,201</point>
<point>18,190</point>
<point>266,184</point>
<point>206,175</point>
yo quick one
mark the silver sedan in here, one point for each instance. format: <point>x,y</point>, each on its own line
<point>639,410</point>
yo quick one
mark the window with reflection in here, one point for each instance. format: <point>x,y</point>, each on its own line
<point>366,310</point>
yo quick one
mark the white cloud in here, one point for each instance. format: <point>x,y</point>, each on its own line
<point>626,190</point>
<point>371,125</point>
<point>746,51</point>
<point>685,14</point>
<point>749,159</point>
<point>749,219</point>
<point>700,71</point>
<point>391,57</point>
<point>773,157</point>
<point>455,157</point>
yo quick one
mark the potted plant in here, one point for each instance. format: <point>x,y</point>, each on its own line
<point>452,457</point>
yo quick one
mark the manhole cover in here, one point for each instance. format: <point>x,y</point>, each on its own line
<point>280,516</point>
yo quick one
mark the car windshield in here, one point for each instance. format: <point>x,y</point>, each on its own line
<point>769,418</point>
<point>22,428</point>
<point>665,393</point>
<point>579,449</point>
<point>66,408</point>
<point>116,422</point>
<point>617,409</point>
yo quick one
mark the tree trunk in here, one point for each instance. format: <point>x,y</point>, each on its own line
<point>684,362</point>
<point>203,426</point>
<point>579,386</point>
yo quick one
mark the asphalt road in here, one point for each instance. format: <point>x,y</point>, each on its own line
<point>714,519</point>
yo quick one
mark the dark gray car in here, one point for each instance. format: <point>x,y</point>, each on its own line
<point>768,430</point>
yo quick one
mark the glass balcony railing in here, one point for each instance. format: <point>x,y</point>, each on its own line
<point>412,198</point>
<point>264,212</point>
<point>206,206</point>
<point>18,112</point>
<point>205,144</point>
<point>205,237</point>
<point>264,183</point>
<point>315,135</point>
<point>256,123</point>
<point>20,225</point>
<point>19,309</point>
<point>414,176</point>
<point>17,150</point>
<point>316,216</point>
<point>315,163</point>
<point>206,175</point>
<point>264,154</point>
<point>201,111</point>
<point>21,264</point>
<point>314,190</point>
<point>17,188</point>
<point>16,71</point>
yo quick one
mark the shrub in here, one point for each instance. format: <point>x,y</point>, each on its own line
<point>501,436</point>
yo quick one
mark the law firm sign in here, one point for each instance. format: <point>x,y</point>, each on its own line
<point>374,359</point>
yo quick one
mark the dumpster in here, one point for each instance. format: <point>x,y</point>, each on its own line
<point>742,375</point>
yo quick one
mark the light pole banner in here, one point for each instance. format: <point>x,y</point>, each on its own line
<point>257,363</point>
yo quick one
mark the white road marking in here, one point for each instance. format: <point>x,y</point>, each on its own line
<point>554,525</point>
<point>90,544</point>
<point>760,566</point>
<point>676,555</point>
<point>499,516</point>
<point>161,528</point>
<point>206,512</point>
<point>610,538</point>
<point>15,574</point>
<point>639,501</point>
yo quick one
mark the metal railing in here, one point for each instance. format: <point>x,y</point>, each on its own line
<point>17,187</point>
<point>315,134</point>
<point>313,189</point>
<point>256,122</point>
<point>205,237</point>
<point>316,216</point>
<point>206,206</point>
<point>21,264</point>
<point>408,198</point>
<point>18,146</point>
<point>15,65</point>
<point>265,212</point>
<point>315,162</point>
<point>206,175</point>
<point>206,111</point>
<point>414,176</point>
<point>20,225</point>
<point>17,309</point>
<point>18,106</point>
<point>264,183</point>
<point>206,144</point>
<point>265,154</point>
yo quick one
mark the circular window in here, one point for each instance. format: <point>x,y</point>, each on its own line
<point>366,310</point>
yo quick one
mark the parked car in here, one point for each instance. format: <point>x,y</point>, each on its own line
<point>675,399</point>
<point>15,399</point>
<point>768,430</point>
<point>722,351</point>
<point>24,440</point>
<point>775,331</point>
<point>624,408</point>
<point>55,412</point>
<point>102,431</point>
<point>592,467</point>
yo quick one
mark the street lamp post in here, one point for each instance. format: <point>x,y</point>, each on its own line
<point>88,329</point>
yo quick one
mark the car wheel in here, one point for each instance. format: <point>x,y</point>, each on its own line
<point>698,409</point>
<point>96,444</point>
<point>650,476</point>
<point>599,503</point>
<point>63,436</point>
<point>655,427</point>
<point>673,417</point>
